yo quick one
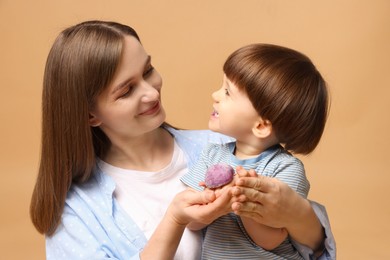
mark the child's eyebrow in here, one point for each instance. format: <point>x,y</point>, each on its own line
<point>228,85</point>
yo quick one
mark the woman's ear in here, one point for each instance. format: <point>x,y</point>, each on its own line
<point>93,120</point>
<point>262,128</point>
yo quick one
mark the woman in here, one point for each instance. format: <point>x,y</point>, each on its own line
<point>110,166</point>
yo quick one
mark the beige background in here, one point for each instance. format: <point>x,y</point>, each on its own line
<point>349,41</point>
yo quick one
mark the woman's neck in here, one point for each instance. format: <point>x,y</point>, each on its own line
<point>150,152</point>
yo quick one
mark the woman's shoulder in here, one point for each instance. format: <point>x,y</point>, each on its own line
<point>97,191</point>
<point>192,142</point>
<point>202,136</point>
<point>92,219</point>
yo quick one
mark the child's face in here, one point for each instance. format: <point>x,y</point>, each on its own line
<point>233,114</point>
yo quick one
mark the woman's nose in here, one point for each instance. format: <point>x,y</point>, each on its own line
<point>150,93</point>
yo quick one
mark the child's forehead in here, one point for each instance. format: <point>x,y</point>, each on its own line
<point>227,80</point>
<point>234,89</point>
<point>232,85</point>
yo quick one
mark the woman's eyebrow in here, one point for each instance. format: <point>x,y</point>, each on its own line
<point>148,61</point>
<point>126,81</point>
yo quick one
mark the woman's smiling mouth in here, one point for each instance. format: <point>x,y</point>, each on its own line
<point>152,110</point>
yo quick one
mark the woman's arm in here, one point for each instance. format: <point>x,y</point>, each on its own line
<point>165,239</point>
<point>187,206</point>
<point>222,205</point>
<point>273,203</point>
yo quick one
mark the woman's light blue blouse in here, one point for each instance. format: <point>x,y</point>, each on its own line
<point>94,226</point>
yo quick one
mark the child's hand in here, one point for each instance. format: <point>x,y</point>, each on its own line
<point>241,172</point>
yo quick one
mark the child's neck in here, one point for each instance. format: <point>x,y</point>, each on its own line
<point>250,150</point>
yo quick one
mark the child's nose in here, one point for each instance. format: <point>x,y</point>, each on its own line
<point>216,95</point>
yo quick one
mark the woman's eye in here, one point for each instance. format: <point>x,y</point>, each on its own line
<point>128,92</point>
<point>148,71</point>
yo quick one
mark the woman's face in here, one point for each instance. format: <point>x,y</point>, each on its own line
<point>131,105</point>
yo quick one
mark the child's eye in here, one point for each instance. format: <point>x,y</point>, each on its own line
<point>227,92</point>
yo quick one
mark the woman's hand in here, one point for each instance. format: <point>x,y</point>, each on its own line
<point>273,203</point>
<point>187,206</point>
<point>202,207</point>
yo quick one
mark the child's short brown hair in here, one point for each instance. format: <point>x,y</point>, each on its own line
<point>285,88</point>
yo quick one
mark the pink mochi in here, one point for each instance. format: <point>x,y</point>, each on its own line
<point>218,175</point>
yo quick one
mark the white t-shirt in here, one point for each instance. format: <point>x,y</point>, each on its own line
<point>145,197</point>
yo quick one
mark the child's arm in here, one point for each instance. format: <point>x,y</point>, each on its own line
<point>266,237</point>
<point>275,236</point>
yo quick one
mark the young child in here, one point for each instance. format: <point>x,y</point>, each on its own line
<point>273,101</point>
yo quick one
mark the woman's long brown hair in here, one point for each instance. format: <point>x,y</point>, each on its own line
<point>80,65</point>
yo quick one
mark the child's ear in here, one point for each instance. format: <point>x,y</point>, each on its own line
<point>93,120</point>
<point>262,128</point>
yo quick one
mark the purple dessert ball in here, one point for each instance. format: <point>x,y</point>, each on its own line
<point>218,175</point>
